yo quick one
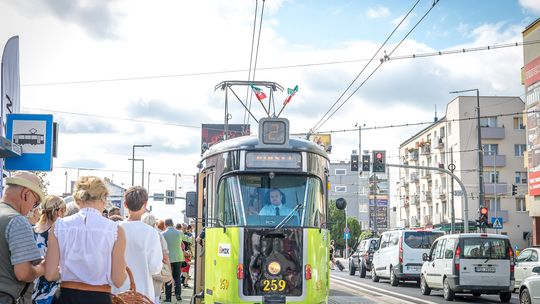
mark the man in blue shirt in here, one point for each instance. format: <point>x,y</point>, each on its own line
<point>277,204</point>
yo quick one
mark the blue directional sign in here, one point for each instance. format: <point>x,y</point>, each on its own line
<point>34,133</point>
<point>497,222</point>
<point>347,235</point>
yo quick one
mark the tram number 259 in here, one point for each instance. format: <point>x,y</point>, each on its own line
<point>274,285</point>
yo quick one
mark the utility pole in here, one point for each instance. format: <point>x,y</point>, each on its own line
<point>452,167</point>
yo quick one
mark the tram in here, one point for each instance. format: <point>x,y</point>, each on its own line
<point>263,203</point>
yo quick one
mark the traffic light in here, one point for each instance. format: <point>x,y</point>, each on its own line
<point>514,189</point>
<point>379,161</point>
<point>484,218</point>
<point>366,160</point>
<point>354,162</point>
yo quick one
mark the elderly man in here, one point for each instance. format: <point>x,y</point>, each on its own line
<point>19,255</point>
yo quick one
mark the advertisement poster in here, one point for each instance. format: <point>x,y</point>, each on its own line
<point>214,133</point>
<point>532,98</point>
<point>323,140</point>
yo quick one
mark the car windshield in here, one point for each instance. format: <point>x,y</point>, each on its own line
<point>421,239</point>
<point>270,200</point>
<point>485,248</point>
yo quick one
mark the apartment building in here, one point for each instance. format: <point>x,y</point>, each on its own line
<point>425,196</point>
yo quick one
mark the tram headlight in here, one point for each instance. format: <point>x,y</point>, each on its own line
<point>271,175</point>
<point>274,268</point>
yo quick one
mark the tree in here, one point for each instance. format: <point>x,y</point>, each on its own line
<point>336,226</point>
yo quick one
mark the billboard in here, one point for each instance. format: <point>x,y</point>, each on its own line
<point>532,99</point>
<point>378,201</point>
<point>323,140</point>
<point>214,133</point>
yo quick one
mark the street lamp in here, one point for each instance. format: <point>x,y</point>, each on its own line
<point>479,148</point>
<point>133,162</point>
<point>141,160</point>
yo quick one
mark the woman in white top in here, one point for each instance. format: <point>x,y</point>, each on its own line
<point>86,250</point>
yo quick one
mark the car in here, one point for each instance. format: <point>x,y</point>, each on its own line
<point>525,262</point>
<point>474,263</point>
<point>529,291</point>
<point>362,257</point>
<point>399,256</point>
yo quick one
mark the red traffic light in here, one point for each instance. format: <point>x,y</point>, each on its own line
<point>378,155</point>
<point>484,210</point>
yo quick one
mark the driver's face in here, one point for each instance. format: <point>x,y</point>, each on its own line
<point>275,198</point>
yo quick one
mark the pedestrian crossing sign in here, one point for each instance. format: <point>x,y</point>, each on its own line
<point>497,222</point>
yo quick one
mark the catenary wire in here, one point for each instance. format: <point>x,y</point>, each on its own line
<point>248,90</point>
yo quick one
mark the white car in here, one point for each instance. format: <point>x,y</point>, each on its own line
<point>525,262</point>
<point>474,263</point>
<point>399,257</point>
<point>529,292</point>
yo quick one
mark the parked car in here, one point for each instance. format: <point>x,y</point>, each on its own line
<point>529,291</point>
<point>399,257</point>
<point>525,262</point>
<point>475,263</point>
<point>361,259</point>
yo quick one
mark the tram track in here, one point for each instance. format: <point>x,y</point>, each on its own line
<point>377,292</point>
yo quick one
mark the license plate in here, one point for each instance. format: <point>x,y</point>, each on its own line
<point>414,268</point>
<point>484,269</point>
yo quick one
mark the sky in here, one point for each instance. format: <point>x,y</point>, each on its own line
<point>116,73</point>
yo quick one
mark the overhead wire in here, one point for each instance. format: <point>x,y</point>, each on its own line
<point>248,89</point>
<point>316,126</point>
<point>382,61</point>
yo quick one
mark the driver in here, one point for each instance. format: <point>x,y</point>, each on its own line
<point>277,204</point>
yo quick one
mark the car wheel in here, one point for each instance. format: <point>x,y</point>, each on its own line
<point>352,269</point>
<point>448,293</point>
<point>362,271</point>
<point>505,296</point>
<point>476,294</point>
<point>374,276</point>
<point>394,281</point>
<point>525,297</point>
<point>424,288</point>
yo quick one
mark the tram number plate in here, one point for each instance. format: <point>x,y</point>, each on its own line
<point>484,269</point>
<point>274,285</point>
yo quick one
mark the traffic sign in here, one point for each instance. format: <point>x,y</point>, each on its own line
<point>346,235</point>
<point>34,133</point>
<point>346,230</point>
<point>497,222</point>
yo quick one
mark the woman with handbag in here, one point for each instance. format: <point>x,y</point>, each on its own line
<point>86,250</point>
<point>165,276</point>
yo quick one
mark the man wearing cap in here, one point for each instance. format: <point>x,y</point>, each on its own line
<point>19,255</point>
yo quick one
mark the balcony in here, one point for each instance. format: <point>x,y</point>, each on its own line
<point>494,160</point>
<point>426,174</point>
<point>495,188</point>
<point>425,149</point>
<point>439,143</point>
<point>413,155</point>
<point>439,193</point>
<point>425,197</point>
<point>414,178</point>
<point>413,200</point>
<point>492,132</point>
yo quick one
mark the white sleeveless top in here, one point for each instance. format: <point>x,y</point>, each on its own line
<point>86,241</point>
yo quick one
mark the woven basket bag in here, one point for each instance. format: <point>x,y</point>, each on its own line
<point>131,296</point>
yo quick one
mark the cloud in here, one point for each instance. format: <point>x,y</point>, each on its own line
<point>378,12</point>
<point>84,125</point>
<point>163,111</point>
<point>405,23</point>
<point>533,5</point>
<point>96,17</point>
<point>84,163</point>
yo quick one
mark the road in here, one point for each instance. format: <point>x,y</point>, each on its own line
<point>345,287</point>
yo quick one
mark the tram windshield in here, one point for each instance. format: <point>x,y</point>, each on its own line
<point>264,200</point>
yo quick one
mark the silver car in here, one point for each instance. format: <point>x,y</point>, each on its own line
<point>525,262</point>
<point>529,292</point>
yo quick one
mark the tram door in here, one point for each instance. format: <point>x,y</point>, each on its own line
<point>205,186</point>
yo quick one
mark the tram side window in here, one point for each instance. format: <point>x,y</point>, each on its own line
<point>315,211</point>
<point>224,209</point>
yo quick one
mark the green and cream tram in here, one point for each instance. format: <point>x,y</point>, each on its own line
<point>263,203</point>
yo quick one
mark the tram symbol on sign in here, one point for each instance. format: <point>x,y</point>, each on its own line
<point>31,138</point>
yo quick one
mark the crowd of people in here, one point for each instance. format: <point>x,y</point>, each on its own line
<point>79,253</point>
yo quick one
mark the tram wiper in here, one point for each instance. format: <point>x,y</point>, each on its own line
<point>289,216</point>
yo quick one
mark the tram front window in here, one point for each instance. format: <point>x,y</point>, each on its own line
<point>258,200</point>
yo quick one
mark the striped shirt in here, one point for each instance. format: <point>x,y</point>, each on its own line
<point>21,242</point>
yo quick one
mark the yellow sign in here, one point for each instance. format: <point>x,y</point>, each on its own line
<point>274,285</point>
<point>324,140</point>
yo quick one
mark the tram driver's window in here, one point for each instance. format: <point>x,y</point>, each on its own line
<point>225,204</point>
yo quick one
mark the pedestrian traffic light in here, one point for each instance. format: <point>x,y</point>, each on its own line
<point>354,162</point>
<point>379,161</point>
<point>366,160</point>
<point>484,218</point>
<point>514,189</point>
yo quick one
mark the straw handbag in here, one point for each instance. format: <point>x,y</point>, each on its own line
<point>131,296</point>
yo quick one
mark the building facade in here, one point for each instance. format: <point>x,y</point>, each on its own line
<point>426,195</point>
<point>531,80</point>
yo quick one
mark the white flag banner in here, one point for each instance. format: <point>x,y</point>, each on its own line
<point>10,80</point>
<point>10,88</point>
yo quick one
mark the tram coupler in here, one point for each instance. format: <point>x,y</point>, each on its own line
<point>274,299</point>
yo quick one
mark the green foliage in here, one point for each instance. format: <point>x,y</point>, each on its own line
<point>336,226</point>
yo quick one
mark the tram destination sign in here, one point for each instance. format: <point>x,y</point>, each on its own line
<point>285,160</point>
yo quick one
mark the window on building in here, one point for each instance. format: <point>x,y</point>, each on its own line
<point>340,189</point>
<point>340,171</point>
<point>449,128</point>
<point>490,122</point>
<point>169,197</point>
<point>491,177</point>
<point>521,177</point>
<point>437,208</point>
<point>518,123</point>
<point>519,149</point>
<point>520,204</point>
<point>441,130</point>
<point>494,205</point>
<point>490,149</point>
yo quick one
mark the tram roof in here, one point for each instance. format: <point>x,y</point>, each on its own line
<point>252,143</point>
